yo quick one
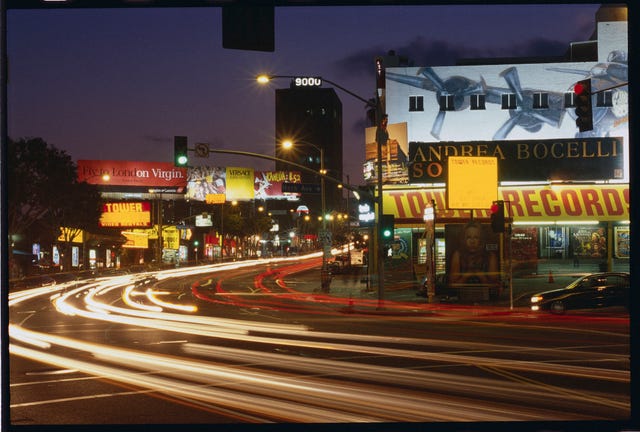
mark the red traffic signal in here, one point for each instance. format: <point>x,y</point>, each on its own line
<point>497,216</point>
<point>584,111</point>
<point>578,88</point>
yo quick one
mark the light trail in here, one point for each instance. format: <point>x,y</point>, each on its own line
<point>346,402</point>
<point>305,389</point>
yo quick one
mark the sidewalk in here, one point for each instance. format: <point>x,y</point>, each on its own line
<point>401,295</point>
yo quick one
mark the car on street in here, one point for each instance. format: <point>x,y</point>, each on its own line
<point>591,291</point>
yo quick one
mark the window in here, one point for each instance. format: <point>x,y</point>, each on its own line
<point>446,103</point>
<point>604,99</point>
<point>569,100</point>
<point>540,100</point>
<point>416,103</point>
<point>478,102</point>
<point>509,101</point>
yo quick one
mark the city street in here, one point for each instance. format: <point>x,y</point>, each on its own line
<point>256,342</point>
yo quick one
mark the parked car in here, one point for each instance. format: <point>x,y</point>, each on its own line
<point>591,291</point>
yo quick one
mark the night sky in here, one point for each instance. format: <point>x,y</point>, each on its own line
<point>120,83</point>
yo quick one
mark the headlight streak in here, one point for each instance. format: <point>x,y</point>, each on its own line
<point>548,368</point>
<point>241,401</point>
<point>153,297</point>
<point>239,330</point>
<point>434,381</point>
<point>560,392</point>
<point>319,395</point>
<point>299,399</point>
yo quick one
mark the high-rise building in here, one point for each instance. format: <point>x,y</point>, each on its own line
<point>311,117</point>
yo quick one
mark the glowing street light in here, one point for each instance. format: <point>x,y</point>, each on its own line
<point>288,144</point>
<point>317,81</point>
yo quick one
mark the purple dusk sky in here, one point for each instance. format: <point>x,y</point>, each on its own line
<point>120,83</point>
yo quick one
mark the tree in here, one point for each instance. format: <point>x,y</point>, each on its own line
<point>44,194</point>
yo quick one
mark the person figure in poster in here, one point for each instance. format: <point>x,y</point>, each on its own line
<point>472,263</point>
<point>576,246</point>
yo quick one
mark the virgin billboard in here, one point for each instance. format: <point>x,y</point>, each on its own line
<point>130,173</point>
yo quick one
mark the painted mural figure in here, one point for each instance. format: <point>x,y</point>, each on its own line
<point>472,263</point>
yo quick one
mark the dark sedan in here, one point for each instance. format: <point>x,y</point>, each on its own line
<point>591,291</point>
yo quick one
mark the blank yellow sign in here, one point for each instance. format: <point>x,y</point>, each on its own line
<point>472,182</point>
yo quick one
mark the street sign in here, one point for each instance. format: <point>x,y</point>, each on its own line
<point>310,188</point>
<point>202,150</point>
<point>325,236</point>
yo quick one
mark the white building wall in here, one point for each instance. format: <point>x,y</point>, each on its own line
<point>523,123</point>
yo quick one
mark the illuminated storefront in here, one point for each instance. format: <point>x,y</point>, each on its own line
<point>566,192</point>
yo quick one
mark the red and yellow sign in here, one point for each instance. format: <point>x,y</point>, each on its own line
<point>608,202</point>
<point>126,214</point>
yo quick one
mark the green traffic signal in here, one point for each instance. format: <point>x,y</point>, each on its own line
<point>180,153</point>
<point>387,223</point>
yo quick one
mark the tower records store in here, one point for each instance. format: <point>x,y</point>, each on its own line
<point>566,191</point>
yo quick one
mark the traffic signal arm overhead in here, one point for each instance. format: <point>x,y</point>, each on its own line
<point>584,110</point>
<point>180,151</point>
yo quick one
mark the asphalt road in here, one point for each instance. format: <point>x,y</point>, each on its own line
<point>253,343</point>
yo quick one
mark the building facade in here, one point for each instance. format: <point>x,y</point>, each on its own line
<point>311,118</point>
<point>566,192</point>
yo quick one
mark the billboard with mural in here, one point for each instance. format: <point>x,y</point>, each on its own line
<point>395,152</point>
<point>516,103</point>
<point>239,184</point>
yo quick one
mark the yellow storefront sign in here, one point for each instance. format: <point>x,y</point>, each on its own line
<point>606,202</point>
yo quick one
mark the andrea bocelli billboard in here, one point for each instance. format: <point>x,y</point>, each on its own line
<point>584,159</point>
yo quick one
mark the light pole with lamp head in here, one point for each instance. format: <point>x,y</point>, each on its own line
<point>288,144</point>
<point>300,81</point>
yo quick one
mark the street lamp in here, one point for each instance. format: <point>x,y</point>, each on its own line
<point>374,104</point>
<point>288,144</point>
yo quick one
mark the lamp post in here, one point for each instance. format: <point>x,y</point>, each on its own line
<point>300,81</point>
<point>348,220</point>
<point>288,144</point>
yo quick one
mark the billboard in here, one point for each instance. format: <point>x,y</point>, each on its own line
<point>240,184</point>
<point>515,102</point>
<point>394,155</point>
<point>126,214</point>
<point>211,184</point>
<point>583,159</point>
<point>132,174</point>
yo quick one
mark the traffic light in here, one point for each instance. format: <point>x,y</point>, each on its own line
<point>584,111</point>
<point>497,216</point>
<point>387,223</point>
<point>180,154</point>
